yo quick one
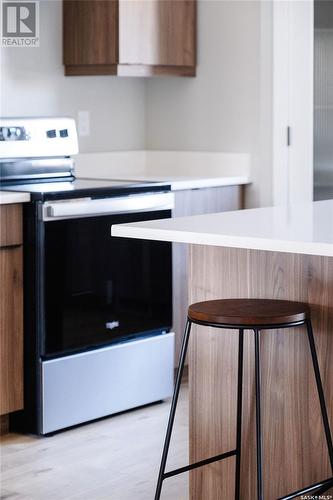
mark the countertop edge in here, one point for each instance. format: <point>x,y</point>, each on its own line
<point>284,246</point>
<point>182,183</point>
<point>209,182</point>
<point>10,198</point>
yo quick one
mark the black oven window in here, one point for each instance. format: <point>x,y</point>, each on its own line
<point>101,289</point>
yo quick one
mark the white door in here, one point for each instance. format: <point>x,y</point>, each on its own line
<point>293,33</point>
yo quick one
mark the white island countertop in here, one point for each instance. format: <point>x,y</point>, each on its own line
<point>303,228</point>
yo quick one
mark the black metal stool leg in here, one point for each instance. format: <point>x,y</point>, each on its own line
<point>173,408</point>
<point>239,413</point>
<point>318,488</point>
<point>258,415</point>
<point>320,392</point>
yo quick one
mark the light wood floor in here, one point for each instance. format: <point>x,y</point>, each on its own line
<point>113,459</point>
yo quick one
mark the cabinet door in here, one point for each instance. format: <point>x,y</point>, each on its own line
<point>157,33</point>
<point>90,31</point>
<point>195,202</point>
<point>11,330</point>
<point>10,225</point>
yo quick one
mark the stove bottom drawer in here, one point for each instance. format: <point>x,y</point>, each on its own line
<point>86,386</point>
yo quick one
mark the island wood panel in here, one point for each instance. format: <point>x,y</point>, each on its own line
<point>294,446</point>
<point>195,202</point>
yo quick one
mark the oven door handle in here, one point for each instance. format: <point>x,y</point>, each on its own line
<point>108,206</point>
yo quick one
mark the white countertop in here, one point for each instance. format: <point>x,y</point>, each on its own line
<point>181,169</point>
<point>304,229</point>
<point>182,182</point>
<point>8,197</point>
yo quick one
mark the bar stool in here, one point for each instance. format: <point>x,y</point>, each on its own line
<point>255,315</point>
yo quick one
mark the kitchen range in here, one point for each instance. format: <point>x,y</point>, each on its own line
<point>98,309</point>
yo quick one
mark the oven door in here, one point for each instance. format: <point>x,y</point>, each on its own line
<point>99,289</point>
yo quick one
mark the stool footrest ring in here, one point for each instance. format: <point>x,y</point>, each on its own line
<point>323,485</point>
<point>200,464</point>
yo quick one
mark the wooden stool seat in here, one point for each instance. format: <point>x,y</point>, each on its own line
<point>248,312</point>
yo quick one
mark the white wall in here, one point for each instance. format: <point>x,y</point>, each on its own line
<point>227,107</point>
<point>33,83</point>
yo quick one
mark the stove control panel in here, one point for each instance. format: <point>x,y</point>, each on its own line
<point>37,137</point>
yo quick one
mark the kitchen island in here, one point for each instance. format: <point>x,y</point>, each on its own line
<point>280,253</point>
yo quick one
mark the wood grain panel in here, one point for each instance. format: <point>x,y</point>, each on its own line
<point>11,330</point>
<point>294,446</point>
<point>157,32</point>
<point>10,225</point>
<point>144,70</point>
<point>90,69</point>
<point>195,202</point>
<point>128,70</point>
<point>4,424</point>
<point>90,32</point>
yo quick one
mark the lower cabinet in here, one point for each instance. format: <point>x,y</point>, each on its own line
<point>195,202</point>
<point>11,310</point>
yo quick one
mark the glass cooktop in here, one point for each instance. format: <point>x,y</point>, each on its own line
<point>78,187</point>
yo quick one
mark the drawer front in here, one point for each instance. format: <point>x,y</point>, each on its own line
<point>102,382</point>
<point>10,225</point>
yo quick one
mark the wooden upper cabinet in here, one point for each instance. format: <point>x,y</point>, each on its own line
<point>90,36</point>
<point>130,37</point>
<point>159,35</point>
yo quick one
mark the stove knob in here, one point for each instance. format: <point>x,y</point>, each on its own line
<point>8,133</point>
<point>13,134</point>
<point>3,133</point>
